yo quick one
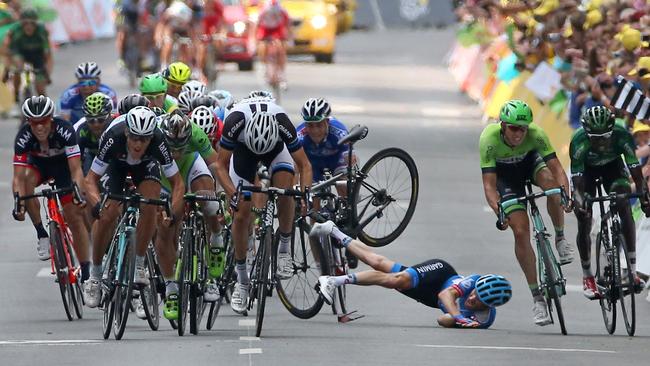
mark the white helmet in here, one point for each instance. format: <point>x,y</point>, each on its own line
<point>38,107</point>
<point>185,99</point>
<point>141,121</point>
<point>179,10</point>
<point>203,117</point>
<point>261,133</point>
<point>194,85</point>
<point>87,70</point>
<point>224,98</point>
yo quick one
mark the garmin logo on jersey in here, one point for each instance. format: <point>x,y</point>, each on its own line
<point>62,131</point>
<point>429,267</point>
<point>107,146</point>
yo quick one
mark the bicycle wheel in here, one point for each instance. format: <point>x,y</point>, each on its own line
<point>262,278</point>
<point>149,294</point>
<point>341,291</point>
<point>124,289</point>
<point>625,282</point>
<point>74,286</point>
<point>108,290</point>
<point>225,286</point>
<point>199,280</point>
<point>298,294</point>
<point>60,267</point>
<point>184,271</point>
<point>553,279</point>
<point>385,198</point>
<point>605,281</point>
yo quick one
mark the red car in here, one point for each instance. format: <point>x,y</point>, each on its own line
<point>240,41</point>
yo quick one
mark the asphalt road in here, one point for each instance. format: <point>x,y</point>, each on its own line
<point>397,84</point>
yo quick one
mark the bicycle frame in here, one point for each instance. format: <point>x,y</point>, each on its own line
<point>54,214</point>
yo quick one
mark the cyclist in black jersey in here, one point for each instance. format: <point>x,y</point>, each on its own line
<point>97,116</point>
<point>138,147</point>
<point>258,130</point>
<point>46,148</point>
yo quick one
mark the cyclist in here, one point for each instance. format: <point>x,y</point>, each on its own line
<point>135,20</point>
<point>137,147</point>
<point>273,29</point>
<point>28,41</point>
<point>596,149</point>
<point>258,130</point>
<point>194,86</point>
<point>185,101</point>
<point>176,23</point>
<point>97,116</point>
<point>513,151</point>
<point>225,100</point>
<point>467,302</point>
<point>176,74</point>
<point>46,148</point>
<point>205,118</point>
<point>88,82</point>
<point>212,23</point>
<point>191,150</point>
<point>154,88</point>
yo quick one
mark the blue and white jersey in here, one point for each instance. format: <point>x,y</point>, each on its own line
<point>71,101</point>
<point>327,154</point>
<point>464,286</point>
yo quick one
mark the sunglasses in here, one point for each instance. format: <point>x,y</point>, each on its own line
<point>150,96</point>
<point>88,82</point>
<point>643,72</point>
<point>96,120</point>
<point>515,128</point>
<point>315,119</point>
<point>175,83</point>
<point>601,135</point>
<point>137,138</point>
<point>40,121</point>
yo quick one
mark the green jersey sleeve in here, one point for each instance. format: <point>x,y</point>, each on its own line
<point>541,142</point>
<point>628,147</point>
<point>578,151</point>
<point>200,142</point>
<point>487,145</point>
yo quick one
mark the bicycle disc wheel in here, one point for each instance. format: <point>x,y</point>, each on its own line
<point>124,289</point>
<point>149,294</point>
<point>298,293</point>
<point>626,293</point>
<point>184,278</point>
<point>386,196</point>
<point>605,282</point>
<point>60,267</point>
<point>262,279</point>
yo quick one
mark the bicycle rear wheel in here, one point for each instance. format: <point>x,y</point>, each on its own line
<point>124,289</point>
<point>605,281</point>
<point>60,267</point>
<point>184,271</point>
<point>298,294</point>
<point>108,290</point>
<point>387,195</point>
<point>149,294</point>
<point>262,278</point>
<point>625,281</point>
<point>199,280</point>
<point>74,286</point>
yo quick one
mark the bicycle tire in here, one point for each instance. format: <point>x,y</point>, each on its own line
<point>74,287</point>
<point>184,278</point>
<point>262,279</point>
<point>628,311</point>
<point>197,305</point>
<point>149,294</point>
<point>604,281</point>
<point>60,267</point>
<point>225,285</point>
<point>108,291</point>
<point>378,197</point>
<point>553,275</point>
<point>124,290</point>
<point>302,251</point>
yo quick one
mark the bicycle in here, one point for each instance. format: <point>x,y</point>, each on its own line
<point>63,261</point>
<point>272,70</point>
<point>264,266</point>
<point>119,263</point>
<point>151,294</point>
<point>612,260</point>
<point>212,57</point>
<point>551,281</point>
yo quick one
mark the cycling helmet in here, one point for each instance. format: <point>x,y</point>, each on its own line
<point>141,121</point>
<point>194,85</point>
<point>177,72</point>
<point>260,94</point>
<point>315,110</point>
<point>158,111</point>
<point>203,117</point>
<point>177,129</point>
<point>153,84</point>
<point>29,14</point>
<point>261,133</point>
<point>38,107</point>
<point>516,112</point>
<point>204,100</point>
<point>493,290</point>
<point>185,101</point>
<point>224,98</point>
<point>131,101</point>
<point>97,105</point>
<point>87,70</point>
<point>597,120</point>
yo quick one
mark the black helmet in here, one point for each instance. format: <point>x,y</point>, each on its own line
<point>131,101</point>
<point>204,100</point>
<point>29,14</point>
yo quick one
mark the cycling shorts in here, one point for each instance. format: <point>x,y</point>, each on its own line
<point>52,168</point>
<point>243,163</point>
<point>191,167</point>
<point>117,172</point>
<point>612,175</point>
<point>36,59</point>
<point>280,33</point>
<point>427,280</point>
<point>511,178</point>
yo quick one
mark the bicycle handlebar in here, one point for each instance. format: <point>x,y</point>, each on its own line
<point>246,190</point>
<point>50,193</point>
<point>136,199</point>
<point>612,197</point>
<point>500,224</point>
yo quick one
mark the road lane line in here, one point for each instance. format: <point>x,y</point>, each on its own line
<point>250,351</point>
<point>245,338</point>
<point>514,348</point>
<point>51,342</point>
<point>44,272</point>
<point>246,322</point>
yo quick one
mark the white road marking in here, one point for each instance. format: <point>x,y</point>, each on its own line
<point>244,338</point>
<point>501,348</point>
<point>51,342</point>
<point>246,322</point>
<point>250,351</point>
<point>44,272</point>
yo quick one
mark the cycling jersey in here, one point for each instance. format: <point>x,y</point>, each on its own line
<point>31,48</point>
<point>72,101</point>
<point>273,22</point>
<point>171,104</point>
<point>191,166</point>
<point>584,155</point>
<point>464,286</point>
<point>179,16</point>
<point>327,154</point>
<point>213,17</point>
<point>88,143</point>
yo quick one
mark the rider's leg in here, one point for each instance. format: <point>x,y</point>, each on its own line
<point>75,217</point>
<point>19,63</point>
<point>518,222</point>
<point>166,252</point>
<point>119,41</point>
<point>286,210</point>
<point>102,231</point>
<point>627,222</point>
<point>282,58</point>
<point>545,180</point>
<point>584,242</point>
<point>148,188</point>
<point>166,48</point>
<point>32,206</point>
<point>206,183</point>
<point>41,85</point>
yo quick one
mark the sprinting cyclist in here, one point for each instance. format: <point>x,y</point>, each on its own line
<point>466,302</point>
<point>175,23</point>
<point>205,118</point>
<point>176,74</point>
<point>212,22</point>
<point>154,88</point>
<point>97,116</point>
<point>273,27</point>
<point>88,82</point>
<point>513,151</point>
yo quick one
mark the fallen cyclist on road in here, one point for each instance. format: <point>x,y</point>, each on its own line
<point>467,302</point>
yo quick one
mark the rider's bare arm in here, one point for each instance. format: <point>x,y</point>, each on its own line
<point>490,189</point>
<point>558,173</point>
<point>448,299</point>
<point>178,190</point>
<point>223,164</point>
<point>304,167</point>
<point>75,171</point>
<point>91,188</point>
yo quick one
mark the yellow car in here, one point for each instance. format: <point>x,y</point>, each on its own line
<point>314,26</point>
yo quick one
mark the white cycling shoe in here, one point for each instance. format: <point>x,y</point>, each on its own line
<point>327,288</point>
<point>285,266</point>
<point>212,293</point>
<point>139,308</point>
<point>92,293</point>
<point>564,251</point>
<point>43,249</point>
<point>239,298</point>
<point>540,313</point>
<point>324,229</point>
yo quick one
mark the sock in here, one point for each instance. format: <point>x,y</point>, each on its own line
<point>350,279</point>
<point>242,274</point>
<point>40,230</point>
<point>536,292</point>
<point>170,286</point>
<point>285,242</point>
<point>559,232</point>
<point>85,271</point>
<point>96,271</point>
<point>586,269</point>
<point>139,261</point>
<point>632,257</point>
<point>341,236</point>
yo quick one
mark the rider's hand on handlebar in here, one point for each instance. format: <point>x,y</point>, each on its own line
<point>503,225</point>
<point>20,214</point>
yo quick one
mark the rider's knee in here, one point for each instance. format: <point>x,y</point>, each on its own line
<point>401,281</point>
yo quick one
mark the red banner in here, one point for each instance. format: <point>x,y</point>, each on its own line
<point>74,19</point>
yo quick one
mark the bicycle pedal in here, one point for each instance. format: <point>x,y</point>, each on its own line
<point>348,317</point>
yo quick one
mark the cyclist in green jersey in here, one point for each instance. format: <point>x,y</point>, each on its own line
<point>154,87</point>
<point>597,151</point>
<point>195,157</point>
<point>513,151</point>
<point>28,41</point>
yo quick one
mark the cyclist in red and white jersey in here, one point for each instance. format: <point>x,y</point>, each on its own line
<point>273,25</point>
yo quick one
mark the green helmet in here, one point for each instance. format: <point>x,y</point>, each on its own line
<point>153,84</point>
<point>97,105</point>
<point>516,112</point>
<point>598,119</point>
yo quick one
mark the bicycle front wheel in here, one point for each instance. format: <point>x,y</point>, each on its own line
<point>625,281</point>
<point>384,199</point>
<point>149,294</point>
<point>553,278</point>
<point>60,267</point>
<point>605,281</point>
<point>199,280</point>
<point>263,279</point>
<point>184,277</point>
<point>124,289</point>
